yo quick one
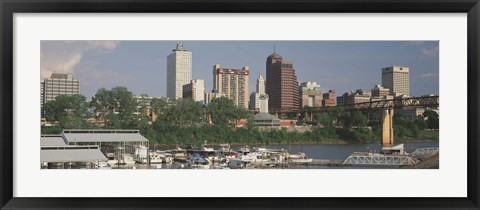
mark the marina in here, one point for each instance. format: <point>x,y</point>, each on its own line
<point>116,149</point>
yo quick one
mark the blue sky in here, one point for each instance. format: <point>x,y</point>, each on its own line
<point>339,65</point>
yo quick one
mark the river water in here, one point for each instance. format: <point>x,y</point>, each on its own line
<point>340,151</point>
<point>335,152</point>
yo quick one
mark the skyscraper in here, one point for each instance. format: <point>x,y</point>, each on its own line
<point>58,84</point>
<point>281,84</point>
<point>259,99</point>
<point>179,71</point>
<point>232,83</point>
<point>396,78</point>
<point>260,84</point>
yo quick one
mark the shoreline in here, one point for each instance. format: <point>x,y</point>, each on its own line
<point>330,142</point>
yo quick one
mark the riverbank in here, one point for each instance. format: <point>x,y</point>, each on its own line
<point>325,142</point>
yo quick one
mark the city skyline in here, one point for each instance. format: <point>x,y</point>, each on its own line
<point>141,66</point>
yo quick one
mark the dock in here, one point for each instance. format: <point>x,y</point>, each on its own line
<point>326,162</point>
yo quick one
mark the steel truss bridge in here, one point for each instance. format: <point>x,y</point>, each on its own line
<point>425,152</point>
<point>425,101</point>
<point>386,106</point>
<point>399,160</point>
<point>363,158</point>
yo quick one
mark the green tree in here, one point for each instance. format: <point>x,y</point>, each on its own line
<point>102,105</point>
<point>185,112</point>
<point>345,119</point>
<point>143,105</point>
<point>116,107</point>
<point>70,111</point>
<point>160,105</point>
<point>324,119</point>
<point>359,119</point>
<point>223,111</point>
<point>334,113</point>
<point>432,119</point>
<point>421,124</point>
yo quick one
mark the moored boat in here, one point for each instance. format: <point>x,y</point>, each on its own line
<point>300,158</point>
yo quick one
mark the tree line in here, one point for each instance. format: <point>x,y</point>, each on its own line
<point>185,121</point>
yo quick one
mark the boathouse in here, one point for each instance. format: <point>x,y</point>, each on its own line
<point>56,153</point>
<point>266,119</point>
<point>86,147</point>
<point>120,138</point>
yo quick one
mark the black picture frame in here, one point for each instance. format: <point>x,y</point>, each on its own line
<point>10,7</point>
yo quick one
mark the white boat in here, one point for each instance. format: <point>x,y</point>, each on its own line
<point>180,154</point>
<point>155,157</point>
<point>257,159</point>
<point>168,158</point>
<point>299,158</point>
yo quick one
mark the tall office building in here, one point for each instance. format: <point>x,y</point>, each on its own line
<point>260,84</point>
<point>179,71</point>
<point>259,99</point>
<point>232,83</point>
<point>58,84</point>
<point>310,95</point>
<point>281,84</point>
<point>195,90</point>
<point>396,78</point>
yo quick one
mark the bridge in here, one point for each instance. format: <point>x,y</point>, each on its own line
<point>425,152</point>
<point>386,105</point>
<point>378,159</point>
<point>365,158</point>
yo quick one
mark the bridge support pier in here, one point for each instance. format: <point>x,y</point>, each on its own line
<point>387,127</point>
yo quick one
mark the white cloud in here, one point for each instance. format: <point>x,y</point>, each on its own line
<point>63,56</point>
<point>430,52</point>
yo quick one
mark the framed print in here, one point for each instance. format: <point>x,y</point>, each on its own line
<point>312,105</point>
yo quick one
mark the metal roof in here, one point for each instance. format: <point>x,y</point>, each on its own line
<point>77,155</point>
<point>48,141</point>
<point>104,137</point>
<point>264,116</point>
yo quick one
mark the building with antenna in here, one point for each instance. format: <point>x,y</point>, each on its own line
<point>281,84</point>
<point>179,71</point>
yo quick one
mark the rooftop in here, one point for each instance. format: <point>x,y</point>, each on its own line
<point>78,155</point>
<point>80,135</point>
<point>52,140</point>
<point>264,116</point>
<point>275,56</point>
